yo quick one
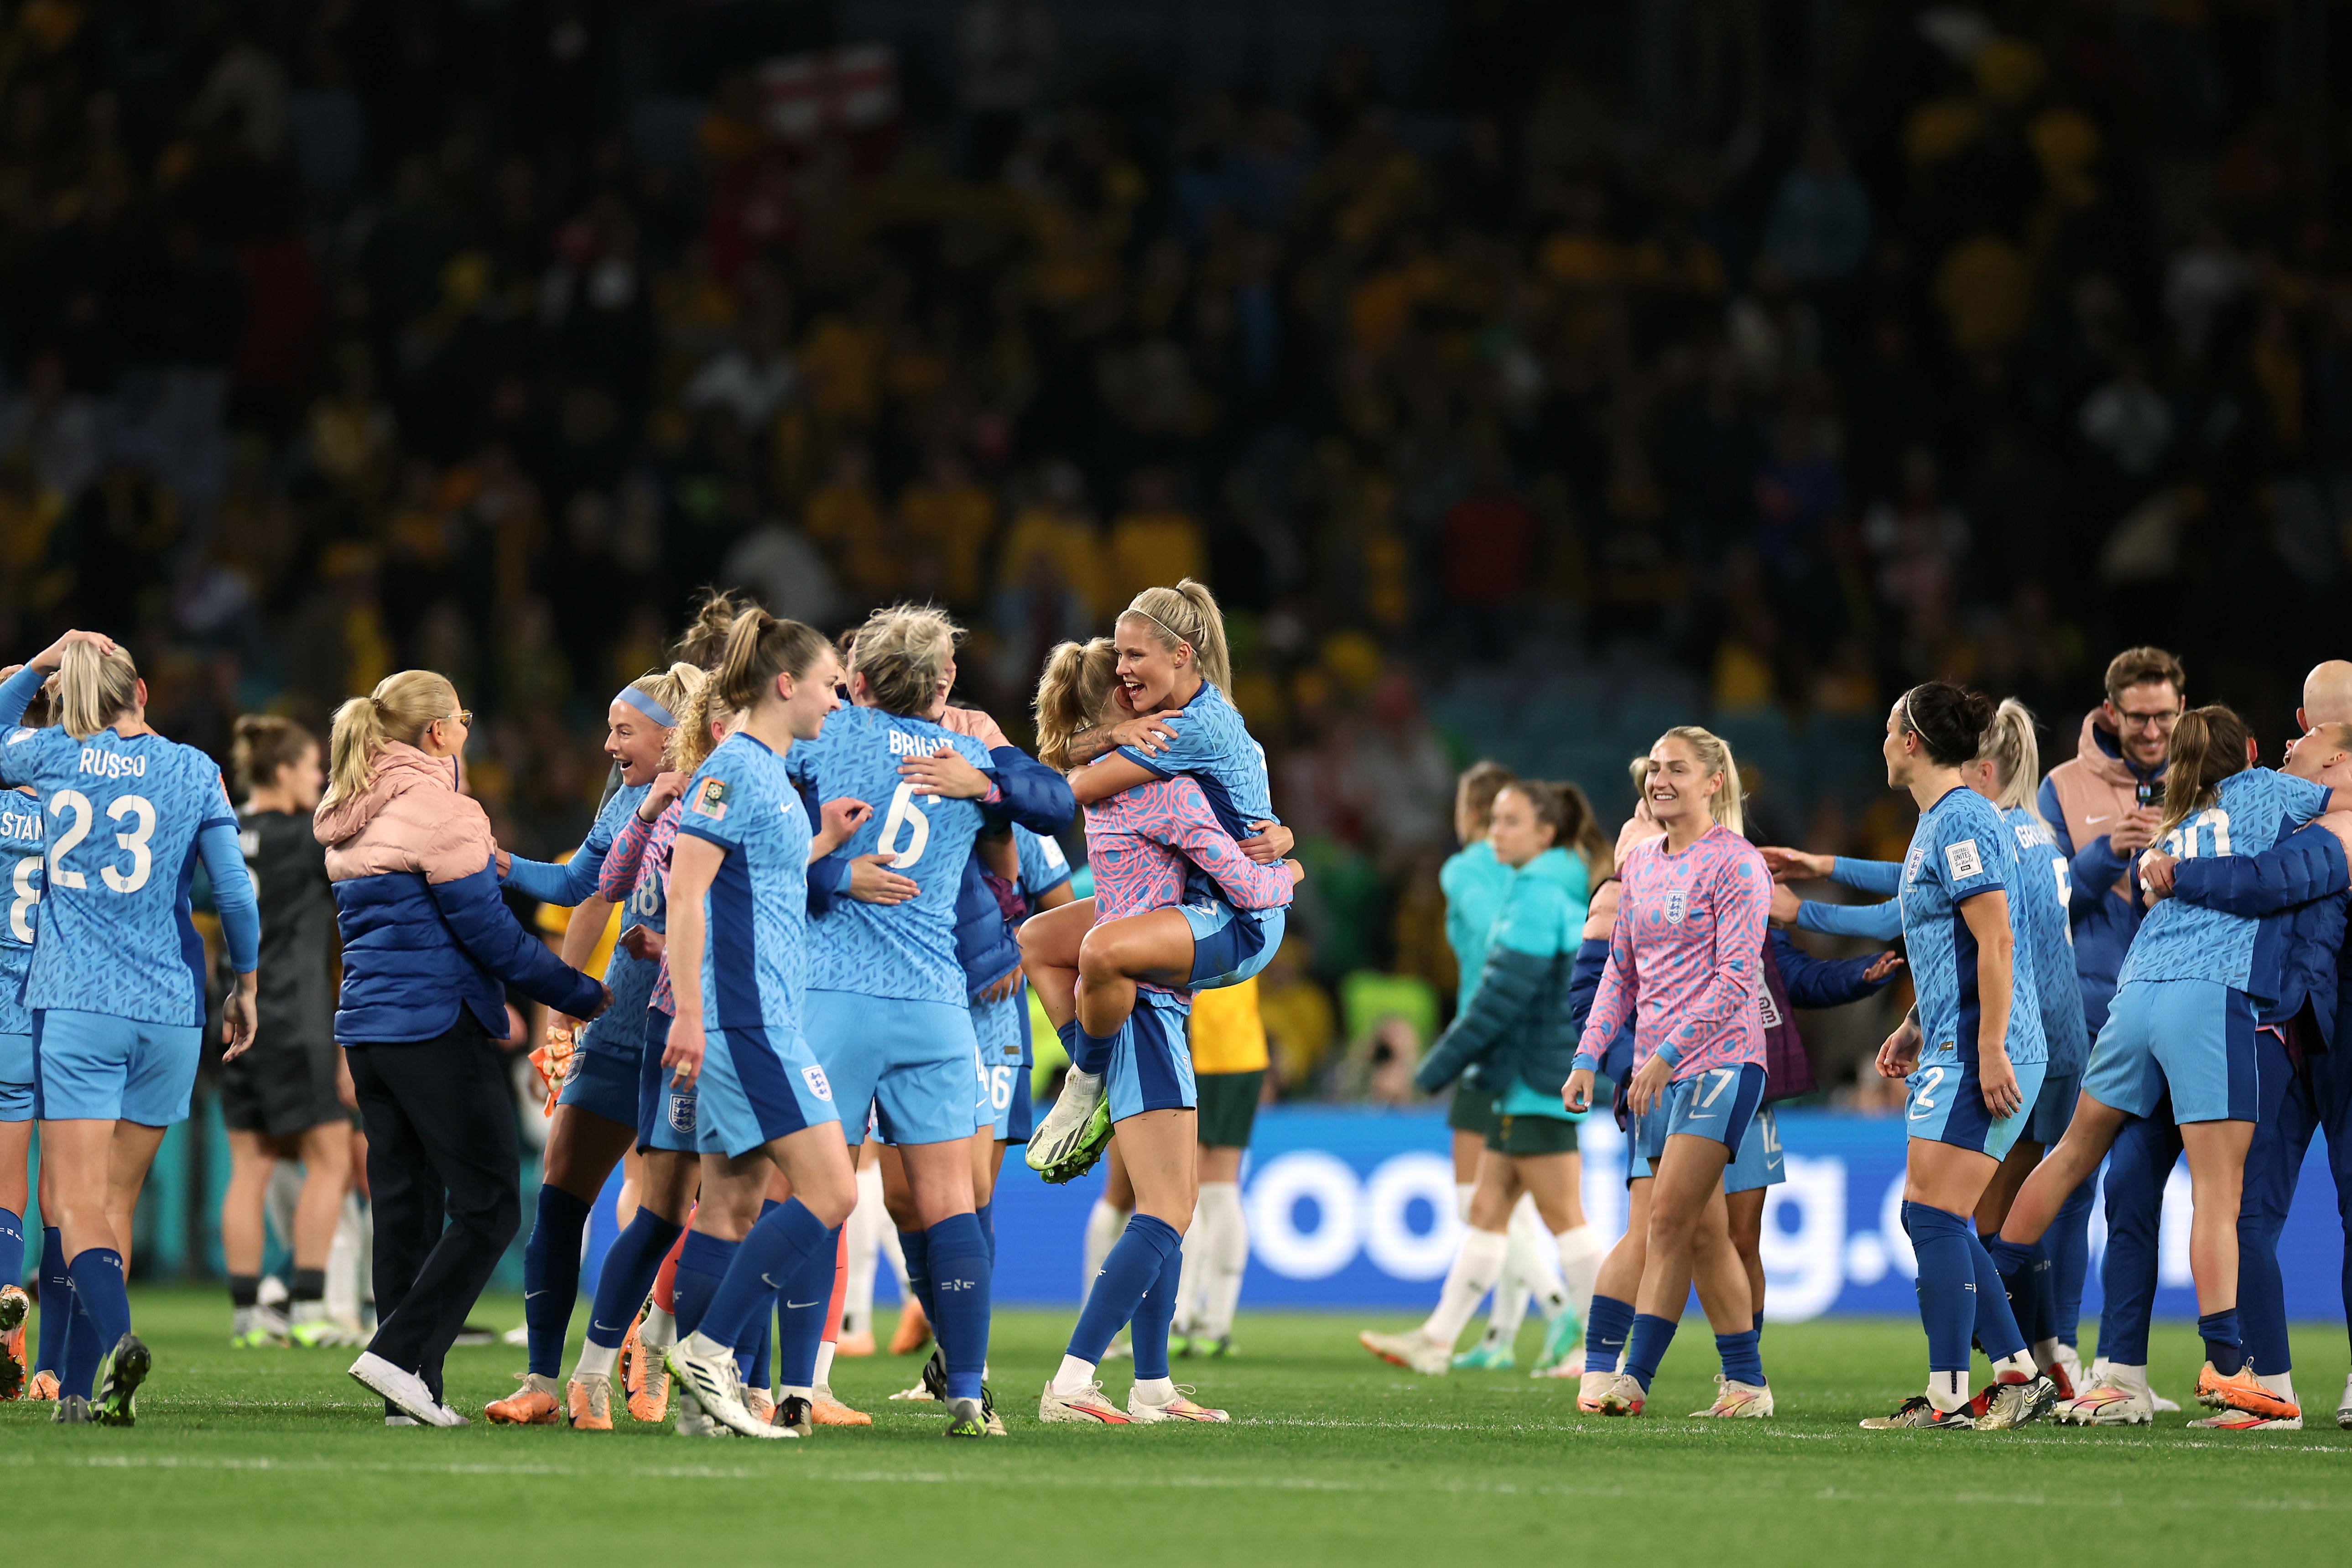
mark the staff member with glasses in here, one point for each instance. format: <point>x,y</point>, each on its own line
<point>428,947</point>
<point>2103,805</point>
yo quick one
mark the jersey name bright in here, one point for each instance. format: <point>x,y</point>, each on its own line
<point>905,745</point>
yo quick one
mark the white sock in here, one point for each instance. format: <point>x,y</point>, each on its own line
<point>1074,1376</point>
<point>2046,1352</point>
<point>698,1343</point>
<point>1582,1253</point>
<point>1527,1270</point>
<point>866,1222</point>
<point>1156,1390</point>
<point>791,1392</point>
<point>2280,1384</point>
<point>597,1360</point>
<point>1477,1266</point>
<point>307,1312</point>
<point>887,1229</point>
<point>1462,1191</point>
<point>2020,1364</point>
<point>1228,1258</point>
<point>2121,1375</point>
<point>1103,1224</point>
<point>344,1262</point>
<point>659,1331</point>
<point>825,1363</point>
<point>1947,1391</point>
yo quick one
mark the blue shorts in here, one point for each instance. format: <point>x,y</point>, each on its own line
<point>666,1114</point>
<point>1151,1060</point>
<point>1760,1162</point>
<point>757,1084</point>
<point>1002,1029</point>
<point>97,1067</point>
<point>604,1075</point>
<point>1229,945</point>
<point>1718,1103</point>
<point>912,1063</point>
<point>16,1078</point>
<point>2054,1108</point>
<point>2194,1038</point>
<point>1646,1142</point>
<point>1947,1106</point>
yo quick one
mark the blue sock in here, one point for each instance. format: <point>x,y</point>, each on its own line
<point>629,1270</point>
<point>1948,1283</point>
<point>2220,1333</point>
<point>1605,1328</point>
<point>1996,1322</point>
<point>550,1275</point>
<point>702,1263</point>
<point>56,1302</point>
<point>751,1360</point>
<point>1068,1033</point>
<point>12,1247</point>
<point>960,1284</point>
<point>98,1287</point>
<point>79,1371</point>
<point>986,1213</point>
<point>1743,1360</point>
<point>1153,1315</point>
<point>1093,1054</point>
<point>769,1255</point>
<point>2068,1242</point>
<point>915,1246</point>
<point>2041,1319</point>
<point>1133,1267</point>
<point>2014,1263</point>
<point>800,1319</point>
<point>1645,1347</point>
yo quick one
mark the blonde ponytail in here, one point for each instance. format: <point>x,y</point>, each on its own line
<point>902,651</point>
<point>1073,694</point>
<point>93,687</point>
<point>2015,754</point>
<point>400,709</point>
<point>1187,615</point>
<point>690,744</point>
<point>1714,753</point>
<point>672,688</point>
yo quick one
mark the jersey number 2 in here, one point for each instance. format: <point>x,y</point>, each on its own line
<point>142,859</point>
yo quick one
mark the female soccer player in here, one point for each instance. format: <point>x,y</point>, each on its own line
<point>1144,846</point>
<point>20,888</point>
<point>1975,1062</point>
<point>1173,673</point>
<point>2183,1024</point>
<point>595,1119</point>
<point>117,1005</point>
<point>739,965</point>
<point>1684,963</point>
<point>1510,1038</point>
<point>285,1098</point>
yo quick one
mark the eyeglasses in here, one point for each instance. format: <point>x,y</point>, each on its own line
<point>2163,721</point>
<point>462,716</point>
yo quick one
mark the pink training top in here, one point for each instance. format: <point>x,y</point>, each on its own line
<point>1138,840</point>
<point>1684,959</point>
<point>641,854</point>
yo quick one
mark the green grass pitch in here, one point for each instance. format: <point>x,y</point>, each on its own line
<point>277,1457</point>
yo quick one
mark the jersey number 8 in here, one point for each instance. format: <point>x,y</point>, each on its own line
<point>20,909</point>
<point>142,859</point>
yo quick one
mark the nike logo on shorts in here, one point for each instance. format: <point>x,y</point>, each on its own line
<point>799,1306</point>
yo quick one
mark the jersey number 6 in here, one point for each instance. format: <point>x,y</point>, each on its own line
<point>907,812</point>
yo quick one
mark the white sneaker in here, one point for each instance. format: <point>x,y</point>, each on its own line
<point>1414,1351</point>
<point>1065,1126</point>
<point>1623,1395</point>
<point>2114,1402</point>
<point>708,1371</point>
<point>1087,1406</point>
<point>401,1421</point>
<point>1118,1350</point>
<point>1590,1386</point>
<point>1735,1400</point>
<point>1569,1366</point>
<point>2247,1421</point>
<point>691,1421</point>
<point>2070,1361</point>
<point>2344,1408</point>
<point>1181,1408</point>
<point>406,1390</point>
<point>517,1336</point>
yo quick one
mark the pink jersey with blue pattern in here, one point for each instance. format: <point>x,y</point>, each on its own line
<point>1141,842</point>
<point>1683,961</point>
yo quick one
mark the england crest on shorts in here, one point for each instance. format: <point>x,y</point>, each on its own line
<point>681,1113</point>
<point>813,1076</point>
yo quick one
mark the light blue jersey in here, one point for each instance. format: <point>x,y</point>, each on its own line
<point>20,893</point>
<point>1213,746</point>
<point>2181,940</point>
<point>903,951</point>
<point>1043,866</point>
<point>755,956</point>
<point>1004,1027</point>
<point>2044,888</point>
<point>1962,848</point>
<point>623,1025</point>
<point>122,815</point>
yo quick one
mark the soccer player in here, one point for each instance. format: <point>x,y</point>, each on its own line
<point>1683,964</point>
<point>595,1118</point>
<point>285,1098</point>
<point>2184,1023</point>
<point>1173,675</point>
<point>1510,1039</point>
<point>118,1005</point>
<point>1972,1050</point>
<point>20,887</point>
<point>738,965</point>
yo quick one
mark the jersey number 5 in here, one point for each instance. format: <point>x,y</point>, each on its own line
<point>905,812</point>
<point>142,859</point>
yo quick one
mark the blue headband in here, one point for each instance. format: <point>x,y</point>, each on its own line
<point>646,706</point>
